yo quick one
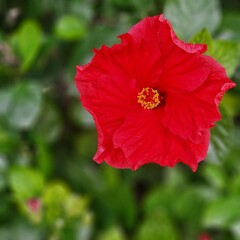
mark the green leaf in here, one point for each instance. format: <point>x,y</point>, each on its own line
<point>27,42</point>
<point>161,196</point>
<point>21,230</point>
<point>122,200</point>
<point>5,98</point>
<point>189,17</point>
<point>215,176</point>
<point>9,140</point>
<point>86,145</point>
<point>26,183</point>
<point>25,105</point>
<point>98,35</point>
<point>235,229</point>
<point>158,226</point>
<point>3,164</point>
<point>3,171</point>
<point>189,205</point>
<point>114,233</point>
<point>222,213</point>
<point>54,197</point>
<point>50,126</point>
<point>230,24</point>
<point>221,139</point>
<point>227,54</point>
<point>234,183</point>
<point>203,37</point>
<point>143,7</point>
<point>124,205</point>
<point>174,177</point>
<point>5,208</point>
<point>85,231</point>
<point>43,155</point>
<point>128,4</point>
<point>69,27</point>
<point>38,9</point>
<point>83,9</point>
<point>75,206</point>
<point>55,193</point>
<point>81,116</point>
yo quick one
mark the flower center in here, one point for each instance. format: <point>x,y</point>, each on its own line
<point>149,98</point>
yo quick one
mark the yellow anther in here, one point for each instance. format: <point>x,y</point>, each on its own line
<point>148,98</point>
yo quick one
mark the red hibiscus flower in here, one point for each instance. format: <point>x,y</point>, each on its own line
<point>153,97</point>
<point>204,236</point>
<point>34,204</point>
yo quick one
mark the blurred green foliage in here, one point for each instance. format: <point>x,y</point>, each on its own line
<point>49,186</point>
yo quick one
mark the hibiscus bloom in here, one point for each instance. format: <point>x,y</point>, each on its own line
<point>34,204</point>
<point>153,97</point>
<point>204,236</point>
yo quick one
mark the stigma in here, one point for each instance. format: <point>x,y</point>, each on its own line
<point>149,98</point>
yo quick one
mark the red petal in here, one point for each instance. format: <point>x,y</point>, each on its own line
<point>158,29</point>
<point>188,114</point>
<point>109,86</point>
<point>110,83</point>
<point>217,83</point>
<point>114,157</point>
<point>183,67</point>
<point>144,61</point>
<point>144,140</point>
<point>183,72</point>
<point>130,62</point>
<point>200,149</point>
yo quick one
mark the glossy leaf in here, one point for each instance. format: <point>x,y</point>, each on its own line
<point>54,197</point>
<point>43,156</point>
<point>221,139</point>
<point>26,183</point>
<point>230,25</point>
<point>9,140</point>
<point>215,175</point>
<point>189,17</point>
<point>227,53</point>
<point>3,170</point>
<point>27,42</point>
<point>5,99</point>
<point>75,206</point>
<point>158,226</point>
<point>161,196</point>
<point>114,233</point>
<point>50,125</point>
<point>69,27</point>
<point>222,212</point>
<point>192,199</point>
<point>203,36</point>
<point>21,230</point>
<point>25,105</point>
<point>125,205</point>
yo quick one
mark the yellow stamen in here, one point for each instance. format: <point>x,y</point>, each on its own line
<point>148,98</point>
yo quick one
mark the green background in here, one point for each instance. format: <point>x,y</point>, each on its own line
<point>47,140</point>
